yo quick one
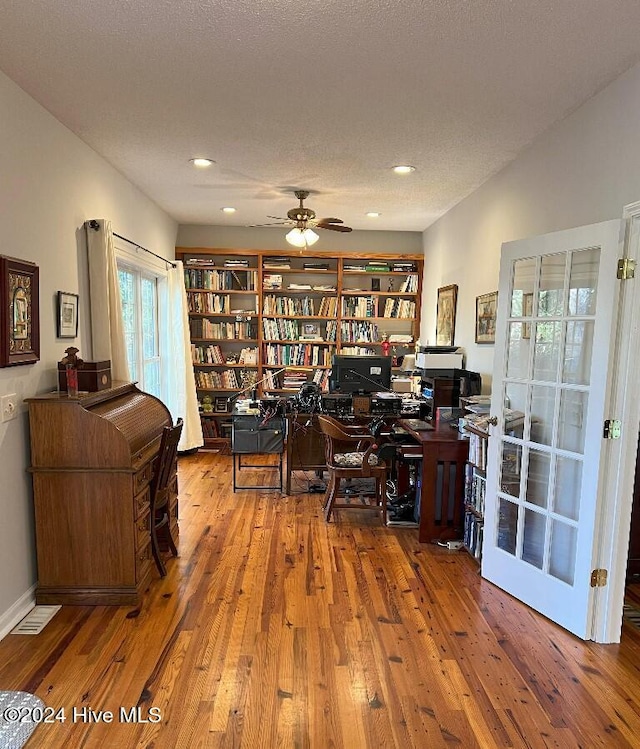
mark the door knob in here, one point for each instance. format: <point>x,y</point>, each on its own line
<point>493,421</point>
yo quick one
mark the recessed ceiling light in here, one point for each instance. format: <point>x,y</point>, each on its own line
<point>200,162</point>
<point>228,209</point>
<point>404,169</point>
<point>373,214</point>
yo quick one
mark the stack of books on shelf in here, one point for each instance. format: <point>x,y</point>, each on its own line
<point>227,380</point>
<point>276,262</point>
<point>324,287</point>
<point>353,267</point>
<point>403,266</point>
<point>473,532</point>
<point>331,332</point>
<point>410,284</point>
<point>300,286</point>
<point>475,488</point>
<point>239,262</point>
<point>248,357</point>
<point>199,261</point>
<point>358,351</point>
<point>294,379</point>
<point>315,266</point>
<point>377,266</point>
<point>272,281</point>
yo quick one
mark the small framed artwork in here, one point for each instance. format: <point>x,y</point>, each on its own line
<point>20,312</point>
<point>446,315</point>
<point>310,331</point>
<point>67,315</point>
<point>486,313</point>
<point>221,405</point>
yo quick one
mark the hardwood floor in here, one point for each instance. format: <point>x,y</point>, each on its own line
<point>275,629</point>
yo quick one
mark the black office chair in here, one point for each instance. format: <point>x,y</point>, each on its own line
<point>160,494</point>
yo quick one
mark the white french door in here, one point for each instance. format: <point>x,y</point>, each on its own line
<point>557,304</point>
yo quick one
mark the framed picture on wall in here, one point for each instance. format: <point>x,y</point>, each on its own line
<point>20,312</point>
<point>446,315</point>
<point>486,313</point>
<point>67,315</point>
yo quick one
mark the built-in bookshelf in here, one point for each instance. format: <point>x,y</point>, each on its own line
<point>277,318</point>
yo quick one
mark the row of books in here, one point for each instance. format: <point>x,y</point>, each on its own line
<point>410,284</point>
<point>297,354</point>
<point>360,306</point>
<point>277,262</point>
<point>284,305</point>
<point>210,380</point>
<point>223,331</point>
<point>220,280</point>
<point>280,329</point>
<point>473,534</point>
<point>359,351</point>
<point>354,331</point>
<point>207,302</point>
<point>212,354</point>
<point>478,451</point>
<point>400,308</point>
<point>475,487</point>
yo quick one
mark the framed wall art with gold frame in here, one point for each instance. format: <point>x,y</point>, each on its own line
<point>20,312</point>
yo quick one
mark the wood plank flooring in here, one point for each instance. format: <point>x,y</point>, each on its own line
<point>275,630</point>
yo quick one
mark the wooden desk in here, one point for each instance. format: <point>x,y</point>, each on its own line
<point>444,454</point>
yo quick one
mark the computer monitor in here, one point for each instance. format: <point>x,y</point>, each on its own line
<point>360,374</point>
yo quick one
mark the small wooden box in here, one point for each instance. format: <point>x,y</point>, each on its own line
<point>92,376</point>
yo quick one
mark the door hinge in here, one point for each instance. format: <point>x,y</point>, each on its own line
<point>612,429</point>
<point>598,578</point>
<point>626,269</point>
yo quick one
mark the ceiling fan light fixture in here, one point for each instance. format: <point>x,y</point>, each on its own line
<point>302,237</point>
<point>404,169</point>
<point>373,214</point>
<point>228,209</point>
<point>201,162</point>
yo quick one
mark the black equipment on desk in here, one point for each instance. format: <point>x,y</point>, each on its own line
<point>385,404</point>
<point>360,374</point>
<point>336,405</point>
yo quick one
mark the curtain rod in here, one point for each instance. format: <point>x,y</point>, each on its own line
<point>96,226</point>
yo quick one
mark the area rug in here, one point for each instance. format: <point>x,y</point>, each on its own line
<point>20,713</point>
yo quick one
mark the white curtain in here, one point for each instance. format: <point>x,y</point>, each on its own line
<point>107,331</point>
<point>181,386</point>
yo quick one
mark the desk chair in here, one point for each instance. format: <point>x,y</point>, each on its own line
<point>160,493</point>
<point>349,453</point>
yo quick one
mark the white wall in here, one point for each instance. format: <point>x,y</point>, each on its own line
<point>272,238</point>
<point>51,183</point>
<point>584,170</point>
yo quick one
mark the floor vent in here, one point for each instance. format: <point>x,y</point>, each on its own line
<point>36,620</point>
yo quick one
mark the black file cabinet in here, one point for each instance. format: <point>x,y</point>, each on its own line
<point>252,435</point>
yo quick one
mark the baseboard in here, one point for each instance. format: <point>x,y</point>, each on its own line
<point>17,612</point>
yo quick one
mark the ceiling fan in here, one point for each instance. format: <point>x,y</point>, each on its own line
<point>303,219</point>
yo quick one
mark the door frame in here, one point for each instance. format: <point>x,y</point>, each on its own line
<point>614,521</point>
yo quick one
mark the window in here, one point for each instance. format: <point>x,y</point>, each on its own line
<point>139,296</point>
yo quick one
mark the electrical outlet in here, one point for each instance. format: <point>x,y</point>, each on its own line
<point>9,406</point>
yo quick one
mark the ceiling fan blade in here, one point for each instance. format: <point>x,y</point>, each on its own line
<point>330,221</point>
<point>334,227</point>
<point>279,218</point>
<point>273,223</point>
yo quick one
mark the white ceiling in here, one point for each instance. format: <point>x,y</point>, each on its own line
<point>325,94</point>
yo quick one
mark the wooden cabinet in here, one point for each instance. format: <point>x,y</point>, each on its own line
<point>278,317</point>
<point>92,461</point>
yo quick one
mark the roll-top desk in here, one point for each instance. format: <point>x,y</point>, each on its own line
<point>92,459</point>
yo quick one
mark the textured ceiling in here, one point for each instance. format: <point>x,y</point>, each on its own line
<point>325,95</point>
